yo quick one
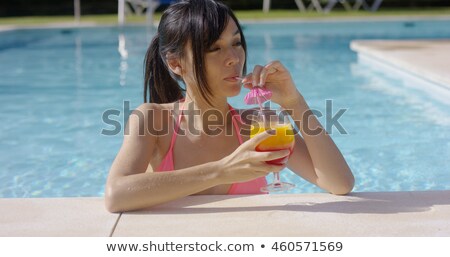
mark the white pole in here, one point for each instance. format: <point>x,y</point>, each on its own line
<point>121,12</point>
<point>149,13</point>
<point>77,12</point>
<point>302,8</point>
<point>266,6</point>
<point>151,7</point>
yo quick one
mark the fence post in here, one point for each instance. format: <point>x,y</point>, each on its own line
<point>266,6</point>
<point>121,12</point>
<point>77,11</point>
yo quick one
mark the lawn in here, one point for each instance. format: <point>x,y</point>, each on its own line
<point>244,15</point>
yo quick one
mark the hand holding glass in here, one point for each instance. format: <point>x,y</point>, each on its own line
<point>278,121</point>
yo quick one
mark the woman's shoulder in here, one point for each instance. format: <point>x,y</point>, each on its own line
<point>154,110</point>
<point>152,116</point>
<point>155,107</point>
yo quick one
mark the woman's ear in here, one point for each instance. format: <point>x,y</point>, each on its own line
<point>174,64</point>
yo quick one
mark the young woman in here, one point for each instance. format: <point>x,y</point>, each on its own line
<point>165,156</point>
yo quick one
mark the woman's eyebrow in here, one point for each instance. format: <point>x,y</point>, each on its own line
<point>234,34</point>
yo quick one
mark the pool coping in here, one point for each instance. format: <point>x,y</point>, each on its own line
<point>418,213</point>
<point>422,58</point>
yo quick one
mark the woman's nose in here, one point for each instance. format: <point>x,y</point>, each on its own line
<point>232,58</point>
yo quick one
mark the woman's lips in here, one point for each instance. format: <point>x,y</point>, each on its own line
<point>233,79</point>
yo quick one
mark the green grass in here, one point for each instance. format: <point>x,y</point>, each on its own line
<point>339,13</point>
<point>243,15</point>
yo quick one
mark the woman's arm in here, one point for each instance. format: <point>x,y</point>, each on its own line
<point>129,187</point>
<point>316,157</point>
<point>143,190</point>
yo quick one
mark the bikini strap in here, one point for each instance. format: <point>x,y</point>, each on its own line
<point>176,128</point>
<point>235,116</point>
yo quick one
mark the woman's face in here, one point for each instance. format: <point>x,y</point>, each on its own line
<point>224,62</point>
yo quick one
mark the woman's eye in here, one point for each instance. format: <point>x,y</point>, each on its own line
<point>239,43</point>
<point>214,49</point>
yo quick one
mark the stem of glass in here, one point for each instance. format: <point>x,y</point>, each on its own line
<point>276,178</point>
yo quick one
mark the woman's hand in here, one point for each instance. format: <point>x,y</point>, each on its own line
<point>276,78</point>
<point>245,163</point>
<point>316,157</point>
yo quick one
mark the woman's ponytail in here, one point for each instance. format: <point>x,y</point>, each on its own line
<point>159,85</point>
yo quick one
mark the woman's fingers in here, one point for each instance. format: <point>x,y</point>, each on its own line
<point>260,73</point>
<point>247,81</point>
<point>267,168</point>
<point>274,66</point>
<point>273,155</point>
<point>266,155</point>
<point>266,71</point>
<point>256,140</point>
<point>256,75</point>
<point>276,168</point>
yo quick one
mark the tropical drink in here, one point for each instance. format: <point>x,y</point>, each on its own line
<point>283,139</point>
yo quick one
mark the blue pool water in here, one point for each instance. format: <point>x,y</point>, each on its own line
<point>56,83</point>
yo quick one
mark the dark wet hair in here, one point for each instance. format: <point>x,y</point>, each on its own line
<point>199,22</point>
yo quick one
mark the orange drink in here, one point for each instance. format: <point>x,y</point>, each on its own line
<point>283,139</point>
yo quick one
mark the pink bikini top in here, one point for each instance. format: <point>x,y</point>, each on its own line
<point>249,187</point>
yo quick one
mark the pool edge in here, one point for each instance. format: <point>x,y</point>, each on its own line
<point>416,213</point>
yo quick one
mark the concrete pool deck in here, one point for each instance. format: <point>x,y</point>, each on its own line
<point>426,59</point>
<point>424,213</point>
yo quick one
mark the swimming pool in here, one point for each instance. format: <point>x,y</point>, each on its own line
<point>55,85</point>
